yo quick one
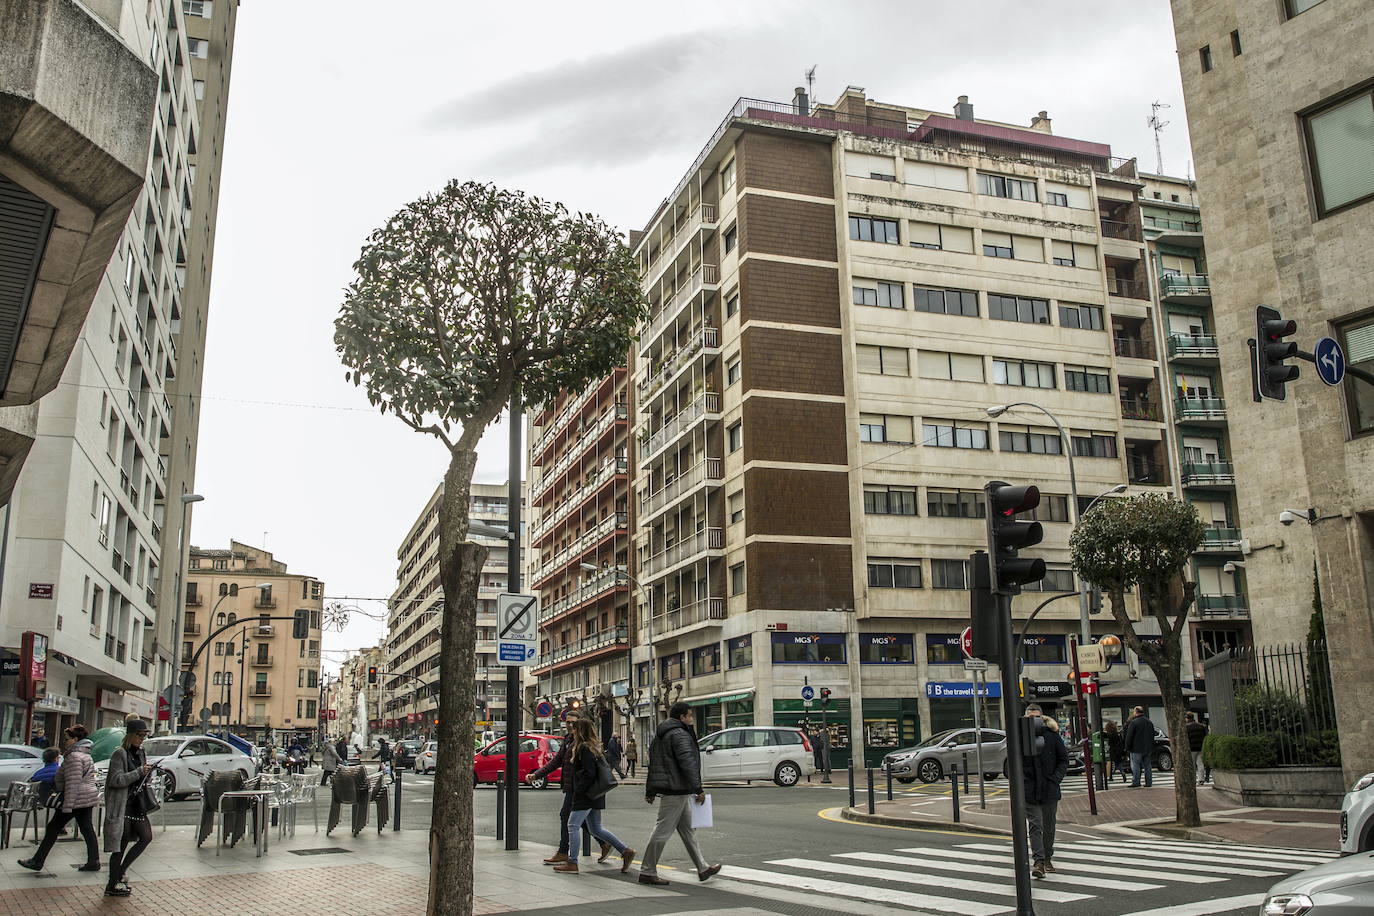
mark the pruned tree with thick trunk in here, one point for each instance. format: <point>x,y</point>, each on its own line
<point>1145,543</point>
<point>464,301</point>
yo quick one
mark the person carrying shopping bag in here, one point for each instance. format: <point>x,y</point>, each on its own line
<point>592,778</point>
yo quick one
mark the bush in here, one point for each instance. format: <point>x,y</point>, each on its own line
<point>1239,752</point>
<point>1264,711</point>
<point>1322,749</point>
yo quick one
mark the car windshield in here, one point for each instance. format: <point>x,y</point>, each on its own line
<point>161,747</point>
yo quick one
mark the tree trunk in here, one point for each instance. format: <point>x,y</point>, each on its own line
<point>1175,712</point>
<point>460,572</point>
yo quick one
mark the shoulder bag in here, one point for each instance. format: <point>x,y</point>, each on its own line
<point>605,778</point>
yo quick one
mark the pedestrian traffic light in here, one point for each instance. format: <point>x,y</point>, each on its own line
<point>984,618</point>
<point>1272,372</point>
<point>372,674</point>
<point>300,624</point>
<point>1007,536</point>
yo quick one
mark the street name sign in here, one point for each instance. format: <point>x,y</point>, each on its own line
<point>975,664</point>
<point>515,628</point>
<point>1092,659</point>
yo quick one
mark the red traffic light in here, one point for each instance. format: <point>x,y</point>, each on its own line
<point>1008,500</point>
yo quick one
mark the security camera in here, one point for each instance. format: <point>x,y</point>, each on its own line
<point>1287,517</point>
<point>1230,567</point>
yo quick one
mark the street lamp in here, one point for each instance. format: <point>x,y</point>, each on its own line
<point>648,597</point>
<point>179,610</point>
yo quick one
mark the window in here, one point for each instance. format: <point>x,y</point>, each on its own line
<point>893,573</point>
<point>706,659</point>
<point>727,177</point>
<point>198,47</point>
<point>873,229</point>
<point>1235,43</point>
<point>737,579</point>
<point>949,573</point>
<point>946,301</point>
<point>1010,440</point>
<point>1001,186</point>
<point>1094,445</point>
<point>731,238</point>
<point>1300,6</point>
<point>1051,509</point>
<point>130,271</point>
<point>104,535</point>
<point>1068,195</point>
<point>731,371</point>
<point>948,177</point>
<point>947,434</point>
<point>886,650</point>
<point>740,651</point>
<point>1340,150</point>
<point>1073,254</point>
<point>734,505</point>
<point>879,294</point>
<point>1358,340</point>
<point>1057,579</point>
<point>198,87</point>
<point>220,564</point>
<point>996,244</point>
<point>1087,378</point>
<point>863,165</point>
<point>1044,650</point>
<point>673,666</point>
<point>731,304</point>
<point>955,504</point>
<point>815,648</point>
<point>877,427</point>
<point>1087,317</point>
<point>956,367</point>
<point>944,649</point>
<point>201,8</point>
<point>1204,54</point>
<point>1057,198</point>
<point>1018,308</point>
<point>880,499</point>
<point>1023,374</point>
<point>883,360</point>
<point>940,238</point>
<point>734,436</point>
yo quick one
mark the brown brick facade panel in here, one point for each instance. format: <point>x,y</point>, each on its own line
<point>810,432</point>
<point>801,577</point>
<point>789,293</point>
<point>785,360</point>
<point>795,228</point>
<point>785,164</point>
<point>796,503</point>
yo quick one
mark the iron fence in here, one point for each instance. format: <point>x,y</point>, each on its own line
<point>1282,693</point>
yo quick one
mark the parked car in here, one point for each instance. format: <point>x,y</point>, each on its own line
<point>535,751</point>
<point>781,754</point>
<point>1164,752</point>
<point>17,763</point>
<point>1357,817</point>
<point>1341,887</point>
<point>428,757</point>
<point>936,756</point>
<point>185,760</point>
<point>404,752</point>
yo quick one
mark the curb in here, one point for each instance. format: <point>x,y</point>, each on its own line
<point>1194,834</point>
<point>885,820</point>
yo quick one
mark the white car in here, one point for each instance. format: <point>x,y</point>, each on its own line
<point>765,752</point>
<point>428,758</point>
<point>1357,817</point>
<point>185,760</point>
<point>17,763</point>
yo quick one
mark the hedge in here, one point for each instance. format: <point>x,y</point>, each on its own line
<point>1234,752</point>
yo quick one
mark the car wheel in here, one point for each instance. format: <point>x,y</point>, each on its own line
<point>787,774</point>
<point>243,775</point>
<point>1164,761</point>
<point>906,780</point>
<point>169,785</point>
<point>539,782</point>
<point>930,770</point>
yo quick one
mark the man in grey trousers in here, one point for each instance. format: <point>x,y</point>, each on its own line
<point>675,778</point>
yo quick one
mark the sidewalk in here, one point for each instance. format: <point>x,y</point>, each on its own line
<point>1119,810</point>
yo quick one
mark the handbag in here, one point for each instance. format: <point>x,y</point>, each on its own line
<point>605,779</point>
<point>146,797</point>
<point>53,801</point>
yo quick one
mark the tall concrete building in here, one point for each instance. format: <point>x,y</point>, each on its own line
<point>1281,115</point>
<point>838,293</point>
<point>266,682</point>
<point>411,649</point>
<point>89,531</point>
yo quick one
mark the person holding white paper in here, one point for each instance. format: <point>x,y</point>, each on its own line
<point>674,778</point>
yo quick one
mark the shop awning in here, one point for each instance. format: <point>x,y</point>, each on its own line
<point>719,698</point>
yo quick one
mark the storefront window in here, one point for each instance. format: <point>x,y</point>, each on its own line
<point>943,649</point>
<point>1044,650</point>
<point>886,649</point>
<point>739,712</point>
<point>815,648</point>
<point>741,652</point>
<point>706,659</point>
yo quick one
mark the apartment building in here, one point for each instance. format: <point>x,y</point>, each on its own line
<point>238,602</point>
<point>360,714</point>
<point>579,543</point>
<point>87,535</point>
<point>838,293</point>
<point>411,650</point>
<point>1281,116</point>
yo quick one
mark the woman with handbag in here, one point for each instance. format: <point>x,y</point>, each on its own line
<point>592,779</point>
<point>74,797</point>
<point>128,802</point>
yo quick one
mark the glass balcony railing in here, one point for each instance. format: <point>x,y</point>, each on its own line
<point>1185,286</point>
<point>1208,473</point>
<point>1223,606</point>
<point>1221,540</point>
<point>1193,346</point>
<point>1195,409</point>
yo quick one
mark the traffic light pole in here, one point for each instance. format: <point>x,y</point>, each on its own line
<point>513,496</point>
<point>1011,714</point>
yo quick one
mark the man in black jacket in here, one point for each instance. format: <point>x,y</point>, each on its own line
<point>1041,774</point>
<point>1197,734</point>
<point>675,774</point>
<point>559,759</point>
<point>1139,742</point>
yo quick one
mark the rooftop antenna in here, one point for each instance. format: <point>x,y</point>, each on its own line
<point>811,83</point>
<point>1157,125</point>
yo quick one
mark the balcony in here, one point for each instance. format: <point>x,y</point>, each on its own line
<point>190,629</point>
<point>707,340</point>
<point>703,611</point>
<point>264,602</point>
<point>705,405</point>
<point>265,630</point>
<point>1200,411</point>
<point>613,637</point>
<point>1222,606</point>
<point>1198,349</point>
<point>261,661</point>
<point>260,690</point>
<point>1187,289</point>
<point>1208,474</point>
<point>1127,289</point>
<point>707,539</point>
<point>607,526</point>
<point>1113,229</point>
<point>702,217</point>
<point>705,278</point>
<point>194,600</point>
<point>707,472</point>
<point>1137,409</point>
<point>600,584</point>
<point>589,435</point>
<point>1185,233</point>
<point>1133,348</point>
<point>1145,471</point>
<point>577,496</point>
<point>1114,168</point>
<point>1221,540</point>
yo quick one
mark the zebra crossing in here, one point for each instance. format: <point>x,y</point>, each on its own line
<point>1092,876</point>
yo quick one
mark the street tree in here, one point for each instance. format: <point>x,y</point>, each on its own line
<point>465,301</point>
<point>1143,544</point>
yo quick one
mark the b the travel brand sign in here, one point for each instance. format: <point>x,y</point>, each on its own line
<point>960,690</point>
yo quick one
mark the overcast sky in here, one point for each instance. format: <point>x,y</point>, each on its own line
<point>338,118</point>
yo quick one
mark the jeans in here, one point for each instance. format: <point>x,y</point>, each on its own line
<point>674,814</point>
<point>563,814</point>
<point>1040,819</point>
<point>1141,762</point>
<point>83,818</point>
<point>592,818</point>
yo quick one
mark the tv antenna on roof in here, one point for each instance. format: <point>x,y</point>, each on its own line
<point>1157,125</point>
<point>811,83</point>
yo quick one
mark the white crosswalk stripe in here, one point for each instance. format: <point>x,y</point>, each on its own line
<point>961,867</point>
<point>1314,856</point>
<point>1160,859</point>
<point>939,881</point>
<point>1115,871</point>
<point>1275,864</point>
<point>866,892</point>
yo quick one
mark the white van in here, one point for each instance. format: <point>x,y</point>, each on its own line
<point>758,752</point>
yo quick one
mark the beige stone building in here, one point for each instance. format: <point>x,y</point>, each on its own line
<point>1281,116</point>
<point>360,697</point>
<point>267,682</point>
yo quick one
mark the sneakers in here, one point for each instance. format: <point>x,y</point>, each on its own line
<point>118,890</point>
<point>606,850</point>
<point>566,868</point>
<point>1049,866</point>
<point>626,858</point>
<point>708,873</point>
<point>556,858</point>
<point>1038,869</point>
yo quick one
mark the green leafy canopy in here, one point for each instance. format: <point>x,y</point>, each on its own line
<point>1140,541</point>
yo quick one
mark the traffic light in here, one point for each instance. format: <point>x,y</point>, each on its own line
<point>1007,535</point>
<point>300,624</point>
<point>372,674</point>
<point>984,619</point>
<point>1272,373</point>
<point>825,696</point>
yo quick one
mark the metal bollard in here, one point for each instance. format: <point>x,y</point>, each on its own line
<point>396,805</point>
<point>851,782</point>
<point>964,766</point>
<point>586,839</point>
<point>870,789</point>
<point>500,806</point>
<point>954,793</point>
<point>887,765</point>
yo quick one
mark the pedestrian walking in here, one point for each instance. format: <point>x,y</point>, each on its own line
<point>126,809</point>
<point>40,739</point>
<point>341,748</point>
<point>1041,774</point>
<point>1197,734</point>
<point>615,754</point>
<point>75,781</point>
<point>1139,742</point>
<point>1112,749</point>
<point>583,770</point>
<point>631,755</point>
<point>674,778</point>
<point>383,754</point>
<point>331,761</point>
<point>561,761</point>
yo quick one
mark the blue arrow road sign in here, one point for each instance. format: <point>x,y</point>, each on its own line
<point>808,693</point>
<point>1330,359</point>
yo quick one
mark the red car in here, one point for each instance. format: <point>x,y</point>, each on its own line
<point>535,751</point>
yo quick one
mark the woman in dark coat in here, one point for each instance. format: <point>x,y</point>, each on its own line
<point>583,763</point>
<point>126,820</point>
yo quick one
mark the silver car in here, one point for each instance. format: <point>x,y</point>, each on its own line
<point>17,763</point>
<point>941,753</point>
<point>1357,817</point>
<point>1341,887</point>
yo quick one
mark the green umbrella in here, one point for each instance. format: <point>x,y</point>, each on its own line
<point>104,741</point>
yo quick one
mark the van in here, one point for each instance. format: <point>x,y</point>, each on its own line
<point>757,752</point>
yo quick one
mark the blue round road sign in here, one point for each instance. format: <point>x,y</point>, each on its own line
<point>1330,359</point>
<point>808,693</point>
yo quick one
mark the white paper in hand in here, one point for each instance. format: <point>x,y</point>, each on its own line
<point>701,814</point>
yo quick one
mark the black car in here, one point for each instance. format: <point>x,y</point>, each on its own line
<point>405,752</point>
